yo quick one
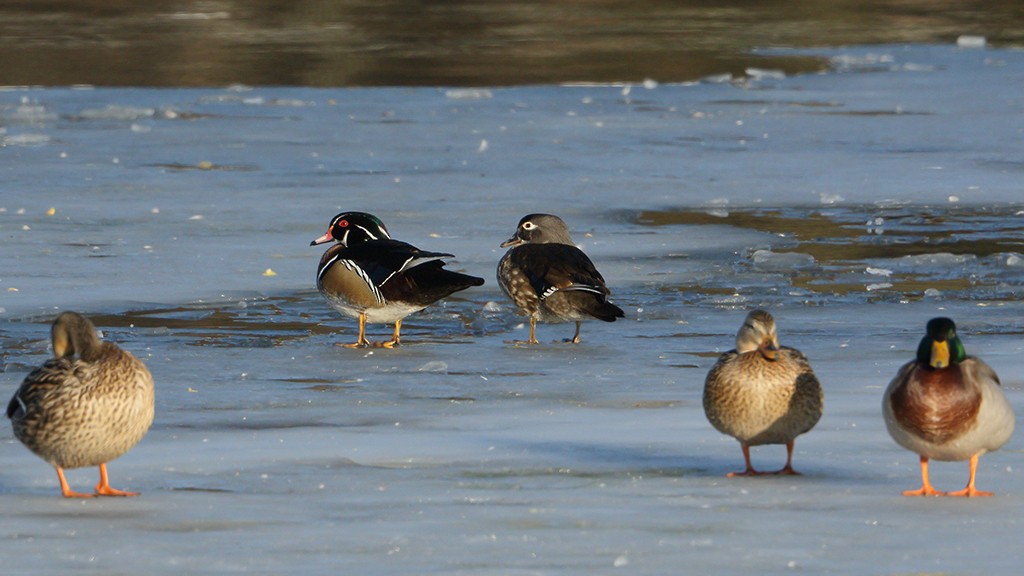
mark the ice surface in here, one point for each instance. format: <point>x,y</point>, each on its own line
<point>275,452</point>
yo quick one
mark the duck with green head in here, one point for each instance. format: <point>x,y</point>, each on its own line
<point>946,405</point>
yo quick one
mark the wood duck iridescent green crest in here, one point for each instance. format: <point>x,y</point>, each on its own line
<point>762,393</point>
<point>86,406</point>
<point>550,279</point>
<point>946,405</point>
<point>368,275</point>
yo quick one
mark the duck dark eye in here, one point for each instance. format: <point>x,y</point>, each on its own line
<point>528,226</point>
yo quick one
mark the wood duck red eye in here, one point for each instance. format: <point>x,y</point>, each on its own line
<point>343,223</point>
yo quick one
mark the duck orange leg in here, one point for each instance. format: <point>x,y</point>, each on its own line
<point>104,489</point>
<point>66,490</point>
<point>970,490</point>
<point>746,458</point>
<point>926,486</point>
<point>395,340</point>
<point>361,342</point>
<point>788,468</point>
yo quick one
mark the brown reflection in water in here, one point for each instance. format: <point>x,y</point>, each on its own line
<point>843,236</point>
<point>844,241</point>
<point>266,323</point>
<point>275,321</point>
<point>453,42</point>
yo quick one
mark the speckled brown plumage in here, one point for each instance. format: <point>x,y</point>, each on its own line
<point>88,405</point>
<point>762,393</point>
<point>547,277</point>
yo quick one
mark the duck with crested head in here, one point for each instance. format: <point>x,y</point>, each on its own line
<point>946,405</point>
<point>550,279</point>
<point>86,406</point>
<point>370,276</point>
<point>762,393</point>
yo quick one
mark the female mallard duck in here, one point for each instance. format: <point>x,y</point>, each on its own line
<point>369,276</point>
<point>86,406</point>
<point>946,405</point>
<point>762,393</point>
<point>549,278</point>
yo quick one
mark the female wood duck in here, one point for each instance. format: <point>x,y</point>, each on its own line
<point>762,393</point>
<point>549,278</point>
<point>369,276</point>
<point>946,405</point>
<point>86,406</point>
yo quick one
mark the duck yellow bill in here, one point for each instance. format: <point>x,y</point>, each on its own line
<point>940,354</point>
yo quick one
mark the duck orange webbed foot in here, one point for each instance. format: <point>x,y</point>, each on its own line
<point>359,344</point>
<point>104,489</point>
<point>66,490</point>
<point>73,494</point>
<point>108,491</point>
<point>969,493</point>
<point>924,491</point>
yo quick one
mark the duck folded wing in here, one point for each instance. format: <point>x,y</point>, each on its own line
<point>558,267</point>
<point>40,386</point>
<point>381,260</point>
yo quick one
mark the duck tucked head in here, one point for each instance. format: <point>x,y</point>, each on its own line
<point>539,229</point>
<point>940,347</point>
<point>350,228</point>
<point>72,334</point>
<point>758,333</point>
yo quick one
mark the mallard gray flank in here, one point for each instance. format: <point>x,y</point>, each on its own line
<point>89,404</point>
<point>762,393</point>
<point>946,405</point>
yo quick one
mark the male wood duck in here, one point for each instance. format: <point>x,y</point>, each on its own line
<point>550,279</point>
<point>86,406</point>
<point>369,276</point>
<point>762,393</point>
<point>946,405</point>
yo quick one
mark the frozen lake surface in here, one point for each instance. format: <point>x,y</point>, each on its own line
<point>854,205</point>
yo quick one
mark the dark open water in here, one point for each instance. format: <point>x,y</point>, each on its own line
<point>461,42</point>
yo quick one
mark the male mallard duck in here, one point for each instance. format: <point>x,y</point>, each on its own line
<point>369,276</point>
<point>86,406</point>
<point>762,393</point>
<point>946,405</point>
<point>549,278</point>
